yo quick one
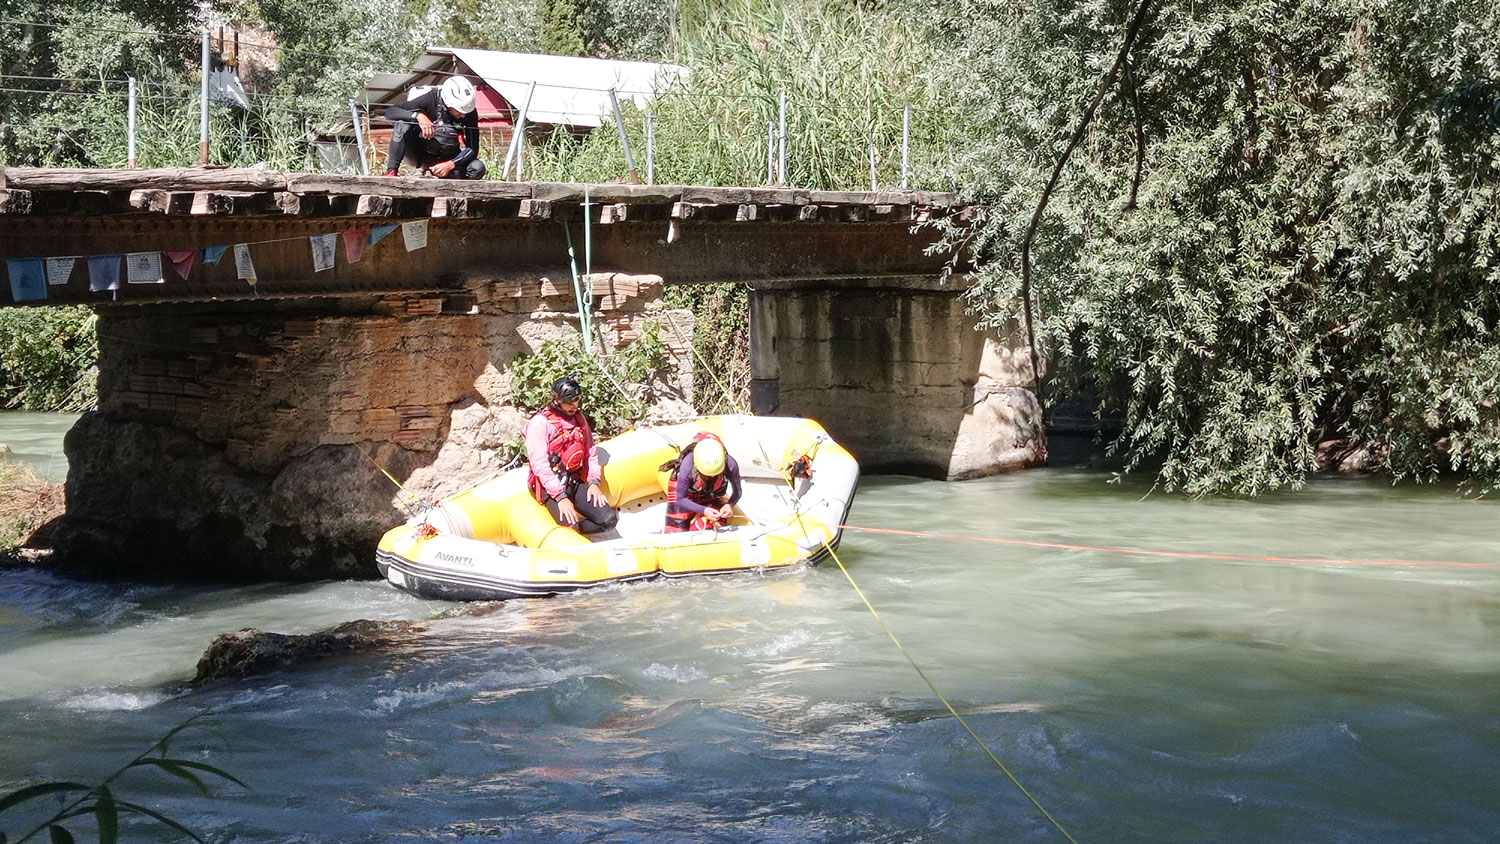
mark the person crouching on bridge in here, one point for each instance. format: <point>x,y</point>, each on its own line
<point>437,132</point>
<point>564,462</point>
<point>704,488</point>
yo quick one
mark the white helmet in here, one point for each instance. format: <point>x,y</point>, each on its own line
<point>458,93</point>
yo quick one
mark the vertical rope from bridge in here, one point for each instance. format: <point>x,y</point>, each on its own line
<point>586,305</point>
<point>583,326</point>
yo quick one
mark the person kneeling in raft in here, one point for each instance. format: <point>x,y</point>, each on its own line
<point>699,496</point>
<point>564,462</point>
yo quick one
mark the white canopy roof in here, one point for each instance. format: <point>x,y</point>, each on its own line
<point>570,90</point>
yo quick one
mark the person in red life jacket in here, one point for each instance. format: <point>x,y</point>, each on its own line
<point>565,464</point>
<point>704,489</point>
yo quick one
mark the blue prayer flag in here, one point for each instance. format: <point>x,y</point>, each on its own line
<point>378,233</point>
<point>28,279</point>
<point>104,272</point>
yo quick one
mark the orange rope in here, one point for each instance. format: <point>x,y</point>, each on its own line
<point>1181,554</point>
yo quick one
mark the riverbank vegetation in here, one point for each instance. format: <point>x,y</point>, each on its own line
<point>1277,233</point>
<point>47,359</point>
<point>1260,233</point>
<point>27,502</point>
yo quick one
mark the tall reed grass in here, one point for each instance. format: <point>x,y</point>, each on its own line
<point>847,73</point>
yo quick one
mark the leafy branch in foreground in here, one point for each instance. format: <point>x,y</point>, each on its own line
<point>100,801</point>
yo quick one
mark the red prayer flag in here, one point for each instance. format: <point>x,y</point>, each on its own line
<point>182,260</point>
<point>354,244</point>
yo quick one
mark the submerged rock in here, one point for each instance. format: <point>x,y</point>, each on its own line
<point>251,651</point>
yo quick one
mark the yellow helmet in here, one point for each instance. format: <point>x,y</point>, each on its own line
<point>708,456</point>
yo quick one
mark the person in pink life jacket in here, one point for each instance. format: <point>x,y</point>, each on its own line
<point>564,463</point>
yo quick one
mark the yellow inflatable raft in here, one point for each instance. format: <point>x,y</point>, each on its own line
<point>496,541</point>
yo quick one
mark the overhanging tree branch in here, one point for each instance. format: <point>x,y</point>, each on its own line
<point>1131,33</point>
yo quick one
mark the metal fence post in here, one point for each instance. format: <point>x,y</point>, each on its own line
<point>781,155</point>
<point>614,103</point>
<point>905,146</point>
<point>359,139</point>
<point>521,156</point>
<point>130,127</point>
<point>203,107</point>
<point>518,134</point>
<point>770,152</point>
<point>873,180</point>
<point>650,147</point>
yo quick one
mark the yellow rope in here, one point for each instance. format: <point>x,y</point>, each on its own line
<point>940,696</point>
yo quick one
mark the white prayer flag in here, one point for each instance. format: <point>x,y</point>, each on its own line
<point>143,267</point>
<point>242,262</point>
<point>323,246</point>
<point>415,233</point>
<point>59,269</point>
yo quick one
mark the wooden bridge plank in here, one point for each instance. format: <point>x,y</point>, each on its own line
<point>374,205</point>
<point>535,209</point>
<point>405,187</point>
<point>167,178</point>
<point>257,180</point>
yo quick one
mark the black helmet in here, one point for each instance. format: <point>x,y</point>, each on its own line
<point>566,388</point>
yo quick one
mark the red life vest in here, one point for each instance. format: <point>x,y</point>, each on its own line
<point>707,490</point>
<point>567,450</point>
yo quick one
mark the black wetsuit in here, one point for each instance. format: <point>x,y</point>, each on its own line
<point>408,145</point>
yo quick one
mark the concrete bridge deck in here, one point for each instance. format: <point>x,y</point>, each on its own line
<point>684,234</point>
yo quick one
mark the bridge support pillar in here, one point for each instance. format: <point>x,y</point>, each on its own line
<point>896,371</point>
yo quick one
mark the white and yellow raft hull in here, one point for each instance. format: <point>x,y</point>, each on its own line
<point>495,541</point>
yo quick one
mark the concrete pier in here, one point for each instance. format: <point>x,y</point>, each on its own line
<point>896,371</point>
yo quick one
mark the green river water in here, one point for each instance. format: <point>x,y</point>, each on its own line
<point>1348,691</point>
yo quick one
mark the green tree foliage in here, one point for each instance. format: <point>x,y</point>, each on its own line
<point>721,343</point>
<point>485,24</point>
<point>66,66</point>
<point>300,70</point>
<point>616,385</point>
<point>1280,230</point>
<point>566,26</point>
<point>635,29</point>
<point>327,52</point>
<point>46,358</point>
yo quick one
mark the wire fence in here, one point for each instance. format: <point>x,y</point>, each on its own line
<point>672,133</point>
